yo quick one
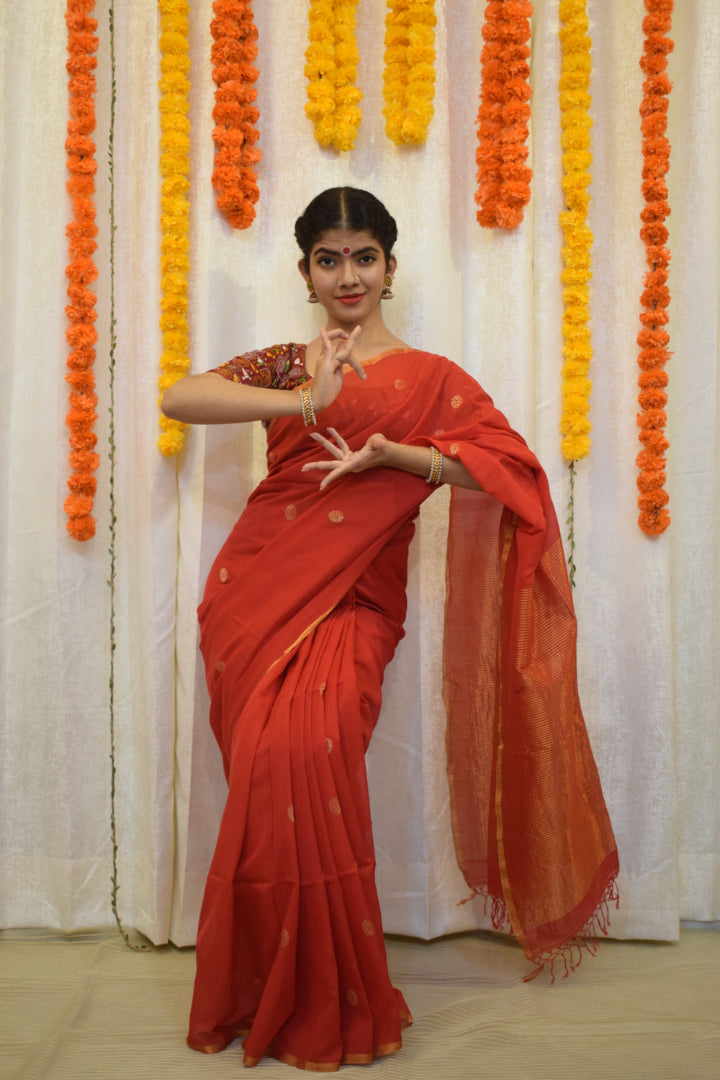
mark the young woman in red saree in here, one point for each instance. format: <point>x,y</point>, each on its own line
<point>361,428</point>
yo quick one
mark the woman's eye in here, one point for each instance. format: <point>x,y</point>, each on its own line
<point>326,261</point>
<point>365,259</point>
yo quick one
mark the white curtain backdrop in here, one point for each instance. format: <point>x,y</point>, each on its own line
<point>648,609</point>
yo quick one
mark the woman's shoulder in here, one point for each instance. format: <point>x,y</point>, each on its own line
<point>276,366</point>
<point>440,370</point>
<point>440,361</point>
<point>430,361</point>
<point>421,356</point>
<point>273,355</point>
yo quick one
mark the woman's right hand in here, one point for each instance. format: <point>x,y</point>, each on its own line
<point>337,350</point>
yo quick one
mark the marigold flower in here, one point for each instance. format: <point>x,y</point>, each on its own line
<point>233,51</point>
<point>409,76</point>
<point>503,175</point>
<point>655,298</point>
<point>174,205</point>
<point>81,232</point>
<point>575,101</point>
<point>331,60</point>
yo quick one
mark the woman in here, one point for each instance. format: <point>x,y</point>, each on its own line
<point>302,611</point>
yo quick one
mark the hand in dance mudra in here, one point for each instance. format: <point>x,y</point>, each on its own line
<point>327,383</point>
<point>345,459</point>
<point>337,350</point>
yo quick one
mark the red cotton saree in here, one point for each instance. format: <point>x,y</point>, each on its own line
<point>290,952</point>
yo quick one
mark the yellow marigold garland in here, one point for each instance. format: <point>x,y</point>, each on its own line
<point>174,207</point>
<point>331,70</point>
<point>576,122</point>
<point>653,339</point>
<point>81,334</point>
<point>233,51</point>
<point>503,173</point>
<point>409,77</point>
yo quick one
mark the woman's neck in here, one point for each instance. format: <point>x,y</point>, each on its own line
<point>375,338</point>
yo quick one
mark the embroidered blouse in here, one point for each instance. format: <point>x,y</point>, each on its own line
<point>281,367</point>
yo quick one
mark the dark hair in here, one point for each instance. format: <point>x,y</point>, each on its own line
<point>349,208</point>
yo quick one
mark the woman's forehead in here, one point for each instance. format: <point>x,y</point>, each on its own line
<point>345,241</point>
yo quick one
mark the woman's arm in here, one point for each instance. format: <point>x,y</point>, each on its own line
<point>418,460</point>
<point>211,399</point>
<point>381,452</point>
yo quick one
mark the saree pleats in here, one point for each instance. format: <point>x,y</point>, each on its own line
<point>292,952</point>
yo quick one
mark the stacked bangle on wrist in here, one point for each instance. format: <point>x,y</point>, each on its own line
<point>436,464</point>
<point>308,410</point>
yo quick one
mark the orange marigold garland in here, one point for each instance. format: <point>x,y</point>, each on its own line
<point>653,339</point>
<point>174,208</point>
<point>81,272</point>
<point>233,52</point>
<point>503,174</point>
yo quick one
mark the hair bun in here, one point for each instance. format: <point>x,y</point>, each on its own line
<point>346,208</point>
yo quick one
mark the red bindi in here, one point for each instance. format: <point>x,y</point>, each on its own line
<point>346,250</point>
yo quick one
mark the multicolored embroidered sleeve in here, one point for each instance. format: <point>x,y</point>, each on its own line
<point>281,367</point>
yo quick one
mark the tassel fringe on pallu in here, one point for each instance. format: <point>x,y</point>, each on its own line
<point>571,953</point>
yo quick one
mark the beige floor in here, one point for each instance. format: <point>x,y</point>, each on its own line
<point>85,1006</point>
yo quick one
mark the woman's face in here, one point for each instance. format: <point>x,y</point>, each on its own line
<point>347,269</point>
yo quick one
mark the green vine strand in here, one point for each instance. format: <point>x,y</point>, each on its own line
<point>570,522</point>
<point>112,550</point>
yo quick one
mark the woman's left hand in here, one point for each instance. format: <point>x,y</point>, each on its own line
<point>346,460</point>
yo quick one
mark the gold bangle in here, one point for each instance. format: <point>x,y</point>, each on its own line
<point>308,410</point>
<point>436,465</point>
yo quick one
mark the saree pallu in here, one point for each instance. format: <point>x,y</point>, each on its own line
<point>302,611</point>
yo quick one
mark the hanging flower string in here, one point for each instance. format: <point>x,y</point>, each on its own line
<point>653,338</point>
<point>409,78</point>
<point>503,174</point>
<point>576,122</point>
<point>174,208</point>
<point>233,51</point>
<point>331,58</point>
<point>82,231</point>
